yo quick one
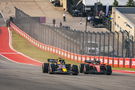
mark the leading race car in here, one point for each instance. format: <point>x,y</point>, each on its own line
<point>94,67</point>
<point>58,66</point>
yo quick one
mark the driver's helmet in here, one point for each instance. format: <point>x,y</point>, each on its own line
<point>95,59</point>
<point>62,61</point>
<point>98,62</point>
<point>58,62</point>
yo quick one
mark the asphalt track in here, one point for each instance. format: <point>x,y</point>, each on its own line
<point>15,76</point>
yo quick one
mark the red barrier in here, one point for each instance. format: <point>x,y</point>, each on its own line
<point>75,57</point>
<point>65,54</point>
<point>105,60</point>
<point>54,49</point>
<point>92,57</point>
<point>57,51</point>
<point>127,63</point>
<point>116,62</point>
<point>83,58</point>
<point>62,53</point>
<point>79,58</point>
<point>88,57</point>
<point>110,61</point>
<point>50,49</point>
<point>121,62</point>
<point>69,55</point>
<point>133,63</point>
<point>101,59</point>
<point>96,57</point>
<point>72,56</point>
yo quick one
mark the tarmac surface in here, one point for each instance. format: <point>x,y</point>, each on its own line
<point>14,76</point>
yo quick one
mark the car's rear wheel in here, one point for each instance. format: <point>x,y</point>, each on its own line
<point>108,70</point>
<point>81,68</point>
<point>87,69</point>
<point>75,70</point>
<point>68,66</point>
<point>45,67</point>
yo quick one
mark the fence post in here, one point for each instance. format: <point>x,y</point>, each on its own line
<point>117,43</point>
<point>122,43</point>
<point>132,45</point>
<point>83,44</point>
<point>103,45</point>
<point>99,43</point>
<point>113,47</point>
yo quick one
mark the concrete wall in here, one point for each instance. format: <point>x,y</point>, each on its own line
<point>120,22</point>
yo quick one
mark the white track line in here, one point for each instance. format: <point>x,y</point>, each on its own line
<point>15,61</point>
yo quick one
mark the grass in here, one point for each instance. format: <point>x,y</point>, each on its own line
<point>22,45</point>
<point>128,69</point>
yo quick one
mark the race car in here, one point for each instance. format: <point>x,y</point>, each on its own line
<point>95,67</point>
<point>58,66</point>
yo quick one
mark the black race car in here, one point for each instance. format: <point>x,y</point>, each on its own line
<point>94,67</point>
<point>58,66</point>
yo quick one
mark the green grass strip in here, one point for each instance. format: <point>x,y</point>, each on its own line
<point>22,45</point>
<point>128,69</point>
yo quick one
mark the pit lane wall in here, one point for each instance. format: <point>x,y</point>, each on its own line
<point>115,62</point>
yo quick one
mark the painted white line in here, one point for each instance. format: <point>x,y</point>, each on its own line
<point>3,62</point>
<point>15,61</point>
<point>9,53</point>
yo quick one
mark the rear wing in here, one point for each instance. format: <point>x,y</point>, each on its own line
<point>52,60</point>
<point>92,61</point>
<point>88,61</point>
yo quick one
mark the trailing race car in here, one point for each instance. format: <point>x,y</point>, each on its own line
<point>94,67</point>
<point>58,66</point>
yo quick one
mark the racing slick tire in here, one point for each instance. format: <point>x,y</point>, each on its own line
<point>108,70</point>
<point>87,69</point>
<point>68,66</point>
<point>81,68</point>
<point>92,69</point>
<point>52,68</point>
<point>45,67</point>
<point>75,70</point>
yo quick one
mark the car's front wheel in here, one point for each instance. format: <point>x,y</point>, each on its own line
<point>45,67</point>
<point>81,68</point>
<point>75,70</point>
<point>108,70</point>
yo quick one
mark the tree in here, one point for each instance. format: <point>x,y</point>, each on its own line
<point>131,3</point>
<point>115,3</point>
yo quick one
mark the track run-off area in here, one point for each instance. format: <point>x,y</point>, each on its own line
<point>19,72</point>
<point>6,49</point>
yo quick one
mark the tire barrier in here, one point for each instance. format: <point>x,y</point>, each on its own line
<point>115,62</point>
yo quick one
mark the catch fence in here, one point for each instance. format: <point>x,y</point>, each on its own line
<point>111,44</point>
